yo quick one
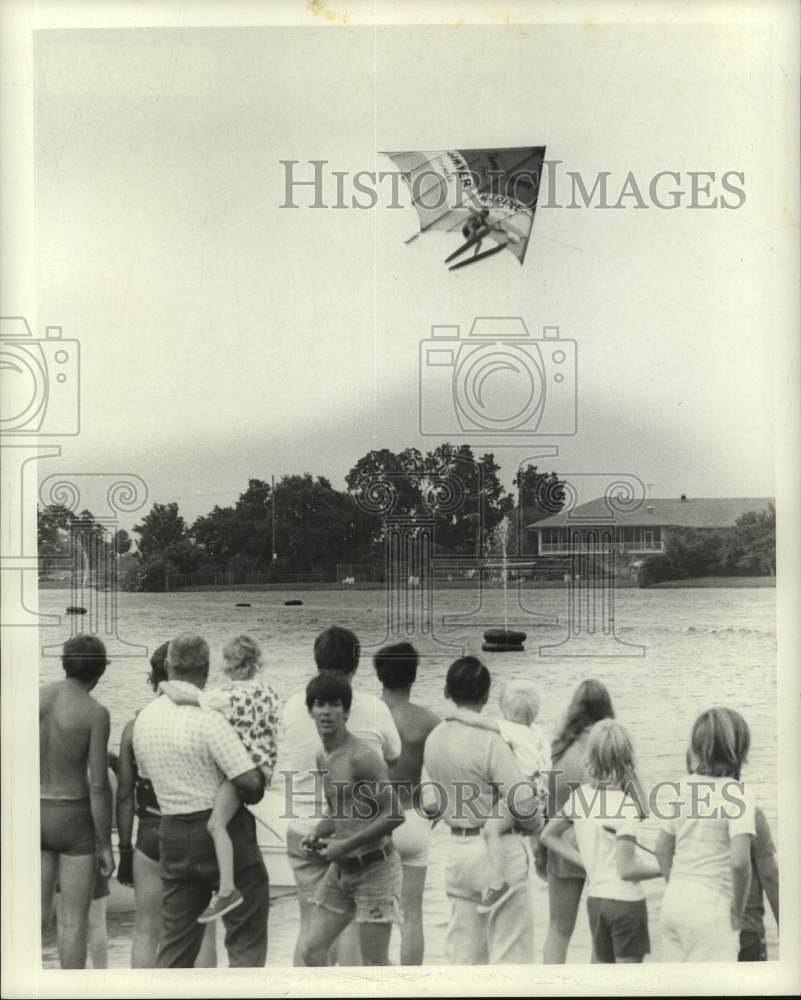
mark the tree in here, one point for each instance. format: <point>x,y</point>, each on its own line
<point>751,546</point>
<point>122,542</point>
<point>53,523</point>
<point>241,533</point>
<point>694,552</point>
<point>161,527</point>
<point>316,525</point>
<point>464,494</point>
<point>470,500</point>
<point>539,495</point>
<point>382,474</point>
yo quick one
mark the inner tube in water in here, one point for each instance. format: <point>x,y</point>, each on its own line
<point>503,640</point>
<point>292,604</point>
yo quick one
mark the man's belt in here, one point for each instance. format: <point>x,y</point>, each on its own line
<point>465,831</point>
<point>358,862</point>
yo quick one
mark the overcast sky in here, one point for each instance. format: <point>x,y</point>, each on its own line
<point>224,337</point>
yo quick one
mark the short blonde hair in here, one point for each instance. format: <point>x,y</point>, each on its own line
<point>610,760</point>
<point>610,753</point>
<point>242,657</point>
<point>719,743</point>
<point>520,702</point>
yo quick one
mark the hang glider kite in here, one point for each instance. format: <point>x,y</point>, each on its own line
<point>484,193</point>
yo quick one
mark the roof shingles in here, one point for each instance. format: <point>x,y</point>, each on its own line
<point>696,512</point>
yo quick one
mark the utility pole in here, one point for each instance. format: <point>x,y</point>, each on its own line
<point>272,505</point>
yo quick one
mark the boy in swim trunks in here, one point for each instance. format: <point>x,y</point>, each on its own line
<point>396,667</point>
<point>75,794</point>
<point>363,880</point>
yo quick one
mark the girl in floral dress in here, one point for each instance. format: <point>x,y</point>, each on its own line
<point>252,708</point>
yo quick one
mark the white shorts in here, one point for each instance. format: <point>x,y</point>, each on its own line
<point>412,839</point>
<point>696,924</point>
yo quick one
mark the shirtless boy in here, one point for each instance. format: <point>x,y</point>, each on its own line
<point>363,880</point>
<point>396,667</point>
<point>74,793</point>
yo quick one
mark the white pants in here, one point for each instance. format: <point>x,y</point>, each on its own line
<point>505,936</point>
<point>696,924</point>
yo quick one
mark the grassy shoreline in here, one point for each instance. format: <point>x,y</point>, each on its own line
<point>701,582</point>
<point>721,582</point>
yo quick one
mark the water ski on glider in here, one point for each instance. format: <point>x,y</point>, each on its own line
<point>481,193</point>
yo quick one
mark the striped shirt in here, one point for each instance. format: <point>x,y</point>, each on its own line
<point>186,753</point>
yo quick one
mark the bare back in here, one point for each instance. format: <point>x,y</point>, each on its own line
<point>414,723</point>
<point>68,717</point>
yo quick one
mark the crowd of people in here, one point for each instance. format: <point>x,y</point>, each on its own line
<point>364,780</point>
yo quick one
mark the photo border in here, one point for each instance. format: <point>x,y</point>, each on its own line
<point>21,957</point>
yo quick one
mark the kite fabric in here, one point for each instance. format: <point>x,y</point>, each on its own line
<point>451,187</point>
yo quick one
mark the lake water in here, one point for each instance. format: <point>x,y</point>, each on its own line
<point>702,648</point>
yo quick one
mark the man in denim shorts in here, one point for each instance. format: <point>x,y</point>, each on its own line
<point>363,880</point>
<point>336,649</point>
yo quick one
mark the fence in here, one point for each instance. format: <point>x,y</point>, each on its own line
<point>445,569</point>
<point>359,572</point>
<point>233,578</point>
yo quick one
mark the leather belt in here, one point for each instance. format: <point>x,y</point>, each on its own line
<point>359,862</point>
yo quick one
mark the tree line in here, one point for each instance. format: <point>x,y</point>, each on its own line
<point>317,526</point>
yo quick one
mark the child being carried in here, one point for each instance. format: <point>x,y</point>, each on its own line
<point>252,708</point>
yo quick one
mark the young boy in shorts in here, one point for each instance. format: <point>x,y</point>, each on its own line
<point>363,880</point>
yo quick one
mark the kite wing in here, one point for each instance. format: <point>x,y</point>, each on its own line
<point>451,186</point>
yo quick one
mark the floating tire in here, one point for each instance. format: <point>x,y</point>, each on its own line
<point>504,637</point>
<point>75,609</point>
<point>242,604</point>
<point>292,604</point>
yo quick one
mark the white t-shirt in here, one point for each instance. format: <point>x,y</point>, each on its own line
<point>600,816</point>
<point>705,815</point>
<point>529,744</point>
<point>302,790</point>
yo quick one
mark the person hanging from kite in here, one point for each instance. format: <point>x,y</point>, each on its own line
<point>482,193</point>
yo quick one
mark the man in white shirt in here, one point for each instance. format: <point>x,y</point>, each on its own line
<point>336,649</point>
<point>186,753</point>
<point>476,771</point>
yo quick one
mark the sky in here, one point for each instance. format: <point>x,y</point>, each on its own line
<point>225,337</point>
